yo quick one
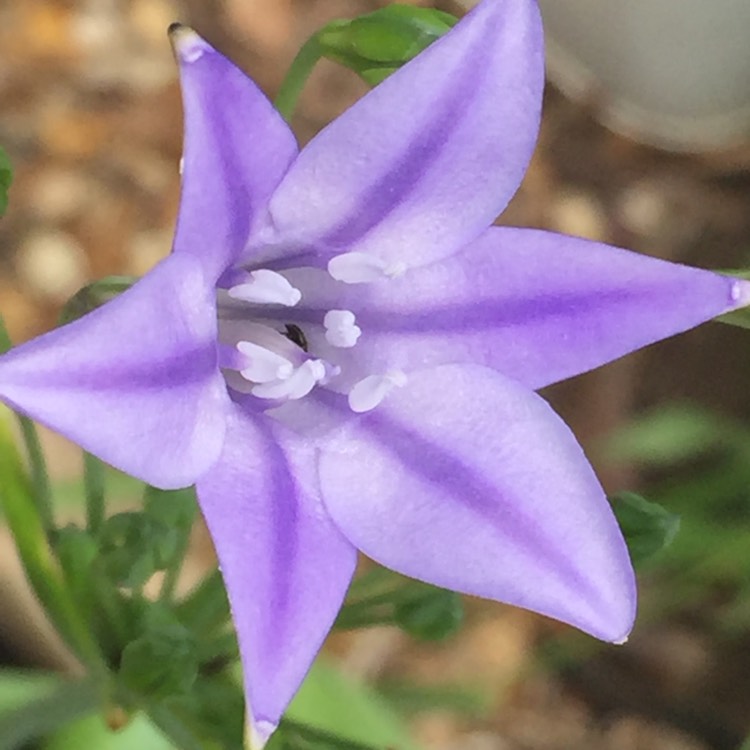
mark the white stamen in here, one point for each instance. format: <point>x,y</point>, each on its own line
<point>331,372</point>
<point>295,386</point>
<point>341,330</point>
<point>362,268</point>
<point>264,366</point>
<point>266,287</point>
<point>370,391</point>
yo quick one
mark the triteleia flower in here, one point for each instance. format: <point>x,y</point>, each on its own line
<point>342,352</point>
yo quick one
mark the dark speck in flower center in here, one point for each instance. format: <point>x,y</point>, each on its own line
<point>295,334</point>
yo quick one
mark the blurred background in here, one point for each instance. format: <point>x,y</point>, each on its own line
<point>90,115</point>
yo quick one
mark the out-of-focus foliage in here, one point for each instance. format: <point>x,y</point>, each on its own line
<point>698,464</point>
<point>6,178</point>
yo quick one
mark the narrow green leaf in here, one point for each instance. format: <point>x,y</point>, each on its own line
<point>177,510</point>
<point>93,734</point>
<point>739,318</point>
<point>206,607</point>
<point>6,178</point>
<point>672,433</point>
<point>30,536</point>
<point>348,710</point>
<point>52,708</point>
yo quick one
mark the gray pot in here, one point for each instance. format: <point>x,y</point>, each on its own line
<point>671,72</point>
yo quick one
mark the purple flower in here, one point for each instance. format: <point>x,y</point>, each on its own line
<point>342,353</point>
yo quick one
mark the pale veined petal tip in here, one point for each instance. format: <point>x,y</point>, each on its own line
<point>621,641</point>
<point>257,733</point>
<point>188,46</point>
<point>739,293</point>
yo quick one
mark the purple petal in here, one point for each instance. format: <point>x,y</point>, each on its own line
<point>134,382</point>
<point>539,307</point>
<point>285,565</point>
<point>429,158</point>
<point>467,480</point>
<point>237,147</point>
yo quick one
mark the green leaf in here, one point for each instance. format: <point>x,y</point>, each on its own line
<point>34,705</point>
<point>381,597</point>
<point>93,734</point>
<point>377,44</point>
<point>206,607</point>
<point>6,178</point>
<point>432,616</point>
<point>173,508</point>
<point>133,546</point>
<point>163,661</point>
<point>647,527</point>
<point>332,703</point>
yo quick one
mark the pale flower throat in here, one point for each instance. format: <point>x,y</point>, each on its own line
<point>272,360</point>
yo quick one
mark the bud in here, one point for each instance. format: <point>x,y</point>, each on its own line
<point>133,546</point>
<point>379,43</point>
<point>95,295</point>
<point>646,526</point>
<point>163,661</point>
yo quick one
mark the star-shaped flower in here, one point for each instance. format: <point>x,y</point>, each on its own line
<point>342,353</point>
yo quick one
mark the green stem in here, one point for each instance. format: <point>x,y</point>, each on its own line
<point>50,711</point>
<point>172,573</point>
<point>296,77</point>
<point>42,494</point>
<point>94,483</point>
<point>39,474</point>
<point>41,567</point>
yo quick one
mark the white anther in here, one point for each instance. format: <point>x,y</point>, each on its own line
<point>266,287</point>
<point>370,391</point>
<point>362,268</point>
<point>263,365</point>
<point>331,372</point>
<point>297,385</point>
<point>341,329</point>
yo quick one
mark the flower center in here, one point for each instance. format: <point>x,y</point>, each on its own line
<point>277,354</point>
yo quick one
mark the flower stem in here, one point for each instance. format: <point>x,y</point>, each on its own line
<point>42,490</point>
<point>296,77</point>
<point>173,571</point>
<point>42,570</point>
<point>93,479</point>
<point>39,476</point>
